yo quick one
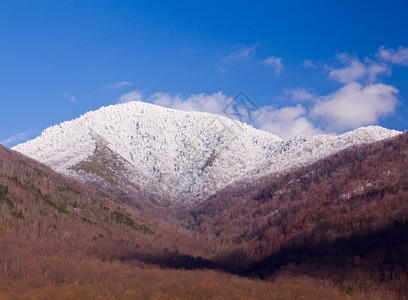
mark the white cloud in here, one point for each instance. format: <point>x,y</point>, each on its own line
<point>243,52</point>
<point>131,96</point>
<point>352,72</point>
<point>211,103</point>
<point>375,68</point>
<point>398,57</point>
<point>71,98</point>
<point>309,64</point>
<point>118,85</point>
<point>300,94</point>
<point>221,69</point>
<point>355,70</point>
<point>19,137</point>
<point>361,101</point>
<point>275,63</point>
<point>352,106</point>
<point>285,122</point>
<point>355,105</point>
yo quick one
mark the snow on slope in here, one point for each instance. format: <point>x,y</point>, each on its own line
<point>182,155</point>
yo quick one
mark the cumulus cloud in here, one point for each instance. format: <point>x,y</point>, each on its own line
<point>355,70</point>
<point>285,122</point>
<point>352,106</point>
<point>71,98</point>
<point>275,63</point>
<point>374,69</point>
<point>118,85</point>
<point>135,95</point>
<point>397,57</point>
<point>355,105</point>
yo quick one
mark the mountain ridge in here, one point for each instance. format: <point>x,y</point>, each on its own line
<point>176,155</point>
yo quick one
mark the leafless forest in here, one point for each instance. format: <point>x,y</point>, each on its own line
<point>335,229</point>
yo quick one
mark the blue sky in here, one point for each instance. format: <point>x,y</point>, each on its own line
<point>309,66</point>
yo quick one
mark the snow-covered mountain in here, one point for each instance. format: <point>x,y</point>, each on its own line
<point>174,155</point>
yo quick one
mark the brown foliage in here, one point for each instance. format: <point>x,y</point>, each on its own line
<point>339,224</point>
<point>350,207</point>
<point>57,276</point>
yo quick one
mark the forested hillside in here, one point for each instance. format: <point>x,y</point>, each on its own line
<point>343,220</point>
<point>336,228</point>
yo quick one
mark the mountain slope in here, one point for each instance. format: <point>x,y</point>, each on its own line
<point>173,155</point>
<point>36,203</point>
<point>62,239</point>
<point>343,219</point>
